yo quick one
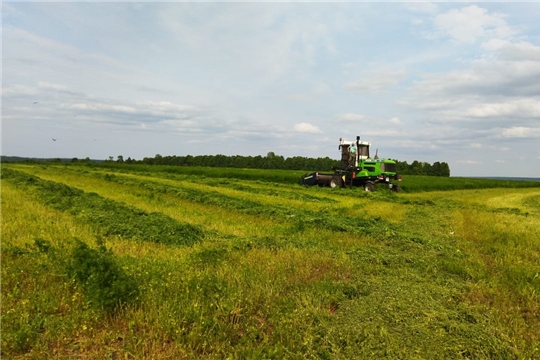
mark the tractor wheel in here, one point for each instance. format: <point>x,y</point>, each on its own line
<point>369,186</point>
<point>396,188</point>
<point>336,182</point>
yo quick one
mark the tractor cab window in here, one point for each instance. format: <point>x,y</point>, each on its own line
<point>363,150</point>
<point>344,154</point>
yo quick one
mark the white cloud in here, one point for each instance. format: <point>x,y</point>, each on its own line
<point>351,117</point>
<point>395,121</point>
<point>45,86</point>
<point>103,108</point>
<point>18,90</point>
<point>468,162</point>
<point>61,69</point>
<point>263,40</point>
<point>306,128</point>
<point>489,89</point>
<point>519,132</point>
<point>507,50</point>
<point>304,98</point>
<point>523,108</point>
<point>421,7</point>
<point>471,23</point>
<point>49,86</point>
<point>379,132</point>
<point>147,111</point>
<point>166,106</point>
<point>377,80</point>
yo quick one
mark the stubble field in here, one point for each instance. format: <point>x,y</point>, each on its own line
<point>150,262</point>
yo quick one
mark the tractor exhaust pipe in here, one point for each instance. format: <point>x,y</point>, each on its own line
<point>357,149</point>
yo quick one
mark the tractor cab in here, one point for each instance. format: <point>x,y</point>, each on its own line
<point>362,152</point>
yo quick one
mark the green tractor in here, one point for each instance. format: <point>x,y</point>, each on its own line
<point>357,169</point>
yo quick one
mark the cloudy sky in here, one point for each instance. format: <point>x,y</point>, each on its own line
<point>455,82</point>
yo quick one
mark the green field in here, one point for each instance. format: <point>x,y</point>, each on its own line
<point>133,261</point>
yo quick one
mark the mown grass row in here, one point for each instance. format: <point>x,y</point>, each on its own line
<point>216,296</point>
<point>410,183</point>
<point>445,282</point>
<point>347,202</point>
<point>278,176</point>
<point>281,190</point>
<point>108,217</point>
<point>334,219</point>
<point>316,196</point>
<point>45,272</point>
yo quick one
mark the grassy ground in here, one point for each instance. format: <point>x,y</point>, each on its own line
<point>125,262</point>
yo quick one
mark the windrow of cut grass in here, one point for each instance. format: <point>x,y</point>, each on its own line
<point>108,217</point>
<point>410,183</point>
<point>444,279</point>
<point>278,176</point>
<point>215,220</point>
<point>335,219</point>
<point>346,202</point>
<point>41,306</point>
<point>282,190</point>
<point>301,220</point>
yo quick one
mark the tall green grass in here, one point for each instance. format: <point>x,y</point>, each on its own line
<point>416,183</point>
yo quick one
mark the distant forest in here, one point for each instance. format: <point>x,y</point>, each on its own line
<point>273,161</point>
<point>270,161</point>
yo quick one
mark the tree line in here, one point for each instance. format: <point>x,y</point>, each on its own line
<point>270,161</point>
<point>423,168</point>
<point>273,161</point>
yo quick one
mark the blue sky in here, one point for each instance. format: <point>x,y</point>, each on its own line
<point>455,82</point>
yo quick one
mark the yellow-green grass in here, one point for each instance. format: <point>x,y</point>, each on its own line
<point>354,205</point>
<point>503,247</point>
<point>454,276</point>
<point>193,183</point>
<point>508,248</point>
<point>39,308</point>
<point>222,220</point>
<point>23,220</point>
<point>81,332</point>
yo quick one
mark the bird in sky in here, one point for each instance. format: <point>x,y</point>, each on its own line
<point>53,139</point>
<point>36,102</point>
